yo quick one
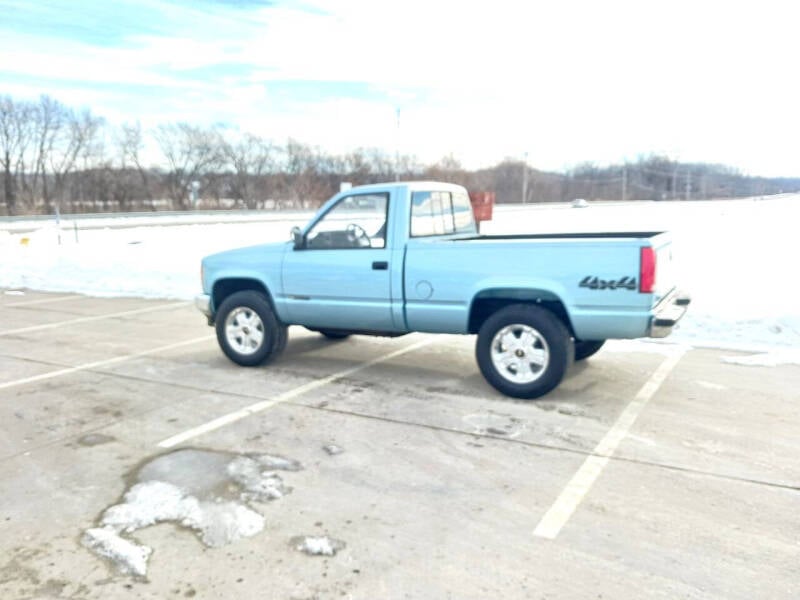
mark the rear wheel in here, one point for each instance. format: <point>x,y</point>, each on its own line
<point>523,351</point>
<point>585,349</point>
<point>247,330</point>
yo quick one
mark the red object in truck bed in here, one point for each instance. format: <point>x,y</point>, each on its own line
<point>482,205</point>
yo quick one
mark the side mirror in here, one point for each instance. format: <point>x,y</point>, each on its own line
<point>299,239</point>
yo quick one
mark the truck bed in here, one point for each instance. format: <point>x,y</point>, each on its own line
<point>444,276</point>
<point>551,236</point>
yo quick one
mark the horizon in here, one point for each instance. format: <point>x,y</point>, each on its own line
<point>699,84</point>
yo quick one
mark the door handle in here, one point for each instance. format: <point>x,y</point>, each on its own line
<point>380,265</point>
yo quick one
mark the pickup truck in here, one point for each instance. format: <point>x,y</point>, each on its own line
<point>396,258</point>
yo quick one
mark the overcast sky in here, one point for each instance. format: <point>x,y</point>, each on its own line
<point>564,81</point>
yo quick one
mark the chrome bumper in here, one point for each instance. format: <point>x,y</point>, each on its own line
<point>668,312</point>
<point>203,304</point>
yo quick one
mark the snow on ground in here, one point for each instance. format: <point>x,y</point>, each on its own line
<point>317,545</point>
<point>772,358</point>
<point>206,491</point>
<point>130,557</point>
<point>734,257</point>
<point>145,261</point>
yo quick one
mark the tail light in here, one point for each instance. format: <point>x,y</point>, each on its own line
<point>647,270</point>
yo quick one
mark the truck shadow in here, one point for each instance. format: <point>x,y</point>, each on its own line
<point>302,345</point>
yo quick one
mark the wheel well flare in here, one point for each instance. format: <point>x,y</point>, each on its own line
<point>225,287</point>
<point>486,304</point>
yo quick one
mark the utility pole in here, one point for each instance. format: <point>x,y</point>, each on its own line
<point>624,182</point>
<point>688,184</point>
<point>525,178</point>
<point>397,149</point>
<point>674,189</point>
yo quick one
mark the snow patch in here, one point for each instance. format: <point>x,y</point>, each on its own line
<point>130,558</point>
<point>489,423</point>
<point>272,461</point>
<point>317,545</point>
<point>217,522</point>
<point>774,358</point>
<point>203,490</point>
<point>220,524</point>
<point>258,484</point>
<point>148,503</point>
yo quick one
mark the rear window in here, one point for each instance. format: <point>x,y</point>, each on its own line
<point>462,213</point>
<point>440,213</point>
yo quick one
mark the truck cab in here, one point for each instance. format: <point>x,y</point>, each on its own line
<point>344,269</point>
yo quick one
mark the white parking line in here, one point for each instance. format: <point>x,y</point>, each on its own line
<point>100,363</point>
<point>289,395</point>
<point>138,311</point>
<point>42,301</point>
<point>580,484</point>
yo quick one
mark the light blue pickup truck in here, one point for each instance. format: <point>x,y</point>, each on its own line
<point>395,258</point>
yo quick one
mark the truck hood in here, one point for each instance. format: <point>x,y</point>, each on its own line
<point>260,263</point>
<point>246,255</point>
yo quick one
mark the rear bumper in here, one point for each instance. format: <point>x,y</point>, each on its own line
<point>668,312</point>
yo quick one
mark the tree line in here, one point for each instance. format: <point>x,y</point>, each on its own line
<point>56,158</point>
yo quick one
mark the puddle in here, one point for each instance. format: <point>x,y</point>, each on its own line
<point>490,423</point>
<point>571,410</point>
<point>317,545</point>
<point>495,431</point>
<point>95,439</point>
<point>209,492</point>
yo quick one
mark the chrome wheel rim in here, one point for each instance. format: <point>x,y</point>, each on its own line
<point>244,330</point>
<point>520,353</point>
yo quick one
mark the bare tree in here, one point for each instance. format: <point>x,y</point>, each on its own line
<point>40,144</point>
<point>12,139</point>
<point>252,158</point>
<point>75,138</point>
<point>49,117</point>
<point>447,169</point>
<point>191,152</point>
<point>50,155</point>
<point>25,161</point>
<point>130,143</point>
<point>303,172</point>
<point>357,167</point>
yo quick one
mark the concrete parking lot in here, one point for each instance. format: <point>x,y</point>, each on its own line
<point>652,472</point>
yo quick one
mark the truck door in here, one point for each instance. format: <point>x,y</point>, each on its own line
<point>341,278</point>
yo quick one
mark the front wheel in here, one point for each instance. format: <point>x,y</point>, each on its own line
<point>247,330</point>
<point>523,351</point>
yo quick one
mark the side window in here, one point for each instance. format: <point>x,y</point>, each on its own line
<point>357,221</point>
<point>431,214</point>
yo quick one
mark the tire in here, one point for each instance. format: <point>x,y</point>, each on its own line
<point>247,330</point>
<point>281,339</point>
<point>334,335</point>
<point>585,349</point>
<point>534,333</point>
